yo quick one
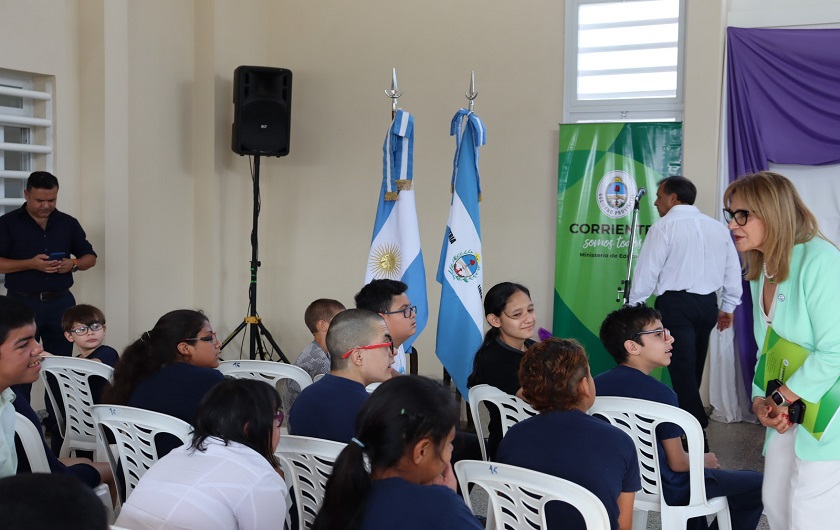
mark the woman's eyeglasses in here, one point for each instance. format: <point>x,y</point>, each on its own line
<point>209,338</point>
<point>389,344</point>
<point>83,330</point>
<point>279,417</point>
<point>741,216</point>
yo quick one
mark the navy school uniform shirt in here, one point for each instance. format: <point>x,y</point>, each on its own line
<point>107,355</point>
<point>574,446</point>
<point>22,238</point>
<point>327,409</point>
<point>176,389</point>
<point>625,381</point>
<point>397,503</point>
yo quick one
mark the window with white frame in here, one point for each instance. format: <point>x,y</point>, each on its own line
<point>25,133</point>
<point>624,60</point>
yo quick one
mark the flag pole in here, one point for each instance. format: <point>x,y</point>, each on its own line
<point>394,94</point>
<point>471,93</point>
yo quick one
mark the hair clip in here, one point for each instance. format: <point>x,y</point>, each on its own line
<point>357,442</point>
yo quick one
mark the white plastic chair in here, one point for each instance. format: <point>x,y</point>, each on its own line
<point>74,420</point>
<point>269,371</point>
<point>511,408</point>
<point>307,463</point>
<point>134,431</point>
<point>639,419</point>
<point>33,448</point>
<point>518,496</point>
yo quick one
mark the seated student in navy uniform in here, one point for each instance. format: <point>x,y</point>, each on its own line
<point>635,338</point>
<point>566,442</point>
<point>314,359</point>
<point>396,471</point>
<point>510,312</point>
<point>361,352</point>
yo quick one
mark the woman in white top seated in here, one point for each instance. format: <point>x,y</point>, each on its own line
<point>227,477</point>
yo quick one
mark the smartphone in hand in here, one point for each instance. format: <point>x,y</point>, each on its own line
<point>55,256</point>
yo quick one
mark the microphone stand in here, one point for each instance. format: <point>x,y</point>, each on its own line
<point>624,288</point>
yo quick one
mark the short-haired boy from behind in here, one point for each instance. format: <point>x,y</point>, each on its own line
<point>390,299</point>
<point>635,338</point>
<point>314,359</point>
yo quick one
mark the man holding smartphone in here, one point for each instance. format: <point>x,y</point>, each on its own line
<point>40,249</point>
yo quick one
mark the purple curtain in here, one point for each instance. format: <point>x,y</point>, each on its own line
<point>783,107</point>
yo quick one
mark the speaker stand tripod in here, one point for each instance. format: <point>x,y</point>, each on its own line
<point>252,320</point>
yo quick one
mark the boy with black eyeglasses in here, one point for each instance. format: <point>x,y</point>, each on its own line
<point>635,337</point>
<point>84,326</point>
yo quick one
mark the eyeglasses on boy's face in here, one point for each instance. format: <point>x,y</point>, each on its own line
<point>407,312</point>
<point>389,344</point>
<point>740,216</point>
<point>208,338</point>
<point>83,330</point>
<point>660,333</point>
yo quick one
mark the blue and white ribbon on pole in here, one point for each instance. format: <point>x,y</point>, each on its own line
<point>460,327</point>
<point>395,246</point>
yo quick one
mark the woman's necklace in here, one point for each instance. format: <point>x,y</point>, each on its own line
<point>767,274</point>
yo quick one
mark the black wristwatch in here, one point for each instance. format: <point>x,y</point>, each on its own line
<point>779,399</point>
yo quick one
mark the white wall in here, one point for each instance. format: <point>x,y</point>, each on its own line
<point>143,133</point>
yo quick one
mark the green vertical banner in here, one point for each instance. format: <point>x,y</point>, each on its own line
<point>602,167</point>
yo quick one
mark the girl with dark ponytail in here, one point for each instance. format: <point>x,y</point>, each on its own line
<point>510,312</point>
<point>401,452</point>
<point>169,368</point>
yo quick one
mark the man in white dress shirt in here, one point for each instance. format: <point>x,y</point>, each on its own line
<point>686,258</point>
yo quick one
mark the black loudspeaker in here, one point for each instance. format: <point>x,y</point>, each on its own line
<point>262,110</point>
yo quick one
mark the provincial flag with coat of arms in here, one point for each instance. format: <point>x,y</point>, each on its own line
<point>395,247</point>
<point>460,328</point>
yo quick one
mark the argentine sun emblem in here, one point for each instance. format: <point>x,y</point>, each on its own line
<point>465,266</point>
<point>386,262</point>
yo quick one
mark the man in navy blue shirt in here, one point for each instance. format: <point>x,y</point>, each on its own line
<point>361,352</point>
<point>635,338</point>
<point>40,249</point>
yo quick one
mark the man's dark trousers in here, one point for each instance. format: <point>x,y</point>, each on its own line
<point>690,319</point>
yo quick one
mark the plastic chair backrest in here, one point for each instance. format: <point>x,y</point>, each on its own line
<point>511,408</point>
<point>33,445</point>
<point>268,371</point>
<point>33,448</point>
<point>518,496</point>
<point>134,431</point>
<point>639,419</point>
<point>72,376</point>
<point>308,464</point>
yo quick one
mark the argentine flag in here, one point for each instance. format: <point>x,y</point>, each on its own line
<point>460,328</point>
<point>395,247</point>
